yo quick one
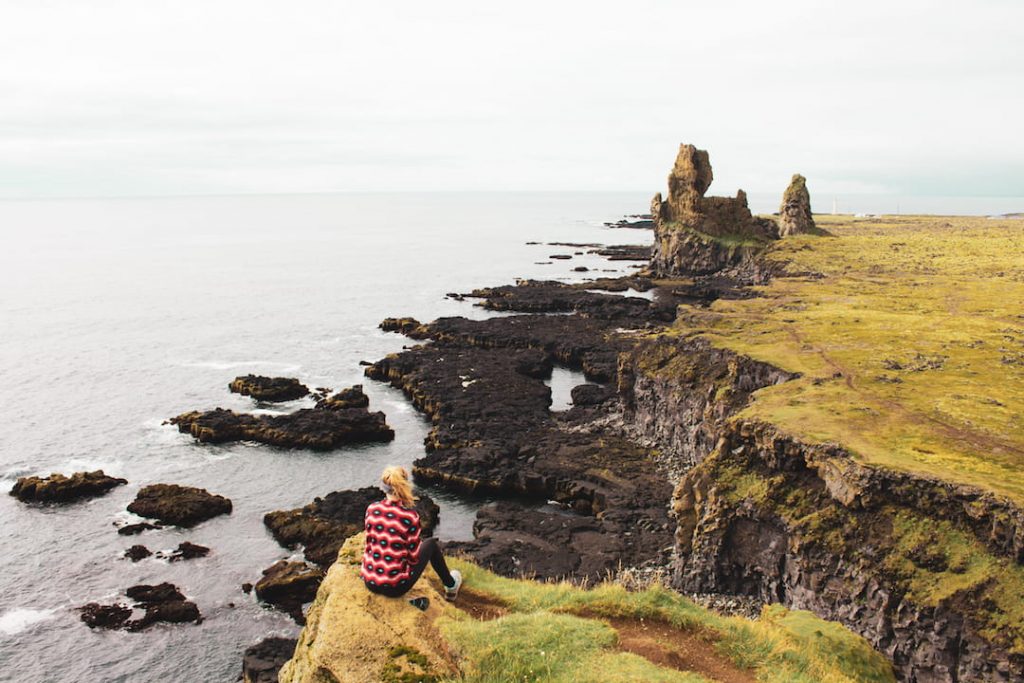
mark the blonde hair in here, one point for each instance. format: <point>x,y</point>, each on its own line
<point>396,484</point>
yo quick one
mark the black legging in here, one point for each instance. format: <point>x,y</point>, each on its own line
<point>430,552</point>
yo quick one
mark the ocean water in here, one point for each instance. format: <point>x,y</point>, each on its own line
<point>118,314</point>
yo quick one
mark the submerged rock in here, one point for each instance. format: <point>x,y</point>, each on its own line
<point>179,505</point>
<point>134,529</point>
<point>288,586</point>
<point>795,216</point>
<point>323,526</point>
<point>269,389</point>
<point>322,428</point>
<point>58,488</point>
<point>262,661</point>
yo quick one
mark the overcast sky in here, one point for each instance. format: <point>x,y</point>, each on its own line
<point>104,98</point>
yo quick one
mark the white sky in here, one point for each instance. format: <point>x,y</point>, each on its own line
<point>102,98</point>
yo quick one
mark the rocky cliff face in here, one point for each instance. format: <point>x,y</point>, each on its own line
<point>795,213</point>
<point>698,235</point>
<point>899,559</point>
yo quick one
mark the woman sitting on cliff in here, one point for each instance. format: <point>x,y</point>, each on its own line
<point>395,557</point>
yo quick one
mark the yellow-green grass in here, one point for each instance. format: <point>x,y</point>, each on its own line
<point>909,334</point>
<point>555,632</point>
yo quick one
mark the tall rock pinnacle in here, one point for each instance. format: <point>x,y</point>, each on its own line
<point>795,213</point>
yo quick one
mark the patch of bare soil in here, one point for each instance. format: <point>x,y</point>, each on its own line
<point>674,648</point>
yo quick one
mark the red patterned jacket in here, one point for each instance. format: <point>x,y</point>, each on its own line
<point>392,544</point>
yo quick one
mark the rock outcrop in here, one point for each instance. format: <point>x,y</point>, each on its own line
<point>262,661</point>
<point>354,636</point>
<point>58,488</point>
<point>162,603</point>
<point>494,432</point>
<point>269,389</point>
<point>324,525</point>
<point>183,506</point>
<point>795,216</point>
<point>288,586</point>
<point>698,235</point>
<point>318,429</point>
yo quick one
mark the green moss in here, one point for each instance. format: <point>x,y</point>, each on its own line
<point>407,665</point>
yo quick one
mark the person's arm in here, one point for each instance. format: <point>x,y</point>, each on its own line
<point>413,545</point>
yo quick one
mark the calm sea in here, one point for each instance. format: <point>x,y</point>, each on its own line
<point>117,314</point>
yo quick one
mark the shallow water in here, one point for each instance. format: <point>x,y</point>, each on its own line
<point>117,314</point>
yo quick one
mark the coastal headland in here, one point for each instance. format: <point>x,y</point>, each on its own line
<point>813,412</point>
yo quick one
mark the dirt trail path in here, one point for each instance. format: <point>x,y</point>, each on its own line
<point>656,641</point>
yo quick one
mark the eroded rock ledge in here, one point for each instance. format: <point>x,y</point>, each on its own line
<point>481,384</point>
<point>890,555</point>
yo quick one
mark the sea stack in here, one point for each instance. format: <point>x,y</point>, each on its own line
<point>698,235</point>
<point>795,213</point>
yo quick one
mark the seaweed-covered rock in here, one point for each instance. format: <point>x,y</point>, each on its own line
<point>58,488</point>
<point>322,526</point>
<point>179,505</point>
<point>269,389</point>
<point>795,216</point>
<point>319,429</point>
<point>288,586</point>
<point>262,661</point>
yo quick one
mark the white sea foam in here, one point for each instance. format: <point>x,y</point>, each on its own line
<point>227,365</point>
<point>17,620</point>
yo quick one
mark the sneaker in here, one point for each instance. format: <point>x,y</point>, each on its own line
<point>453,592</point>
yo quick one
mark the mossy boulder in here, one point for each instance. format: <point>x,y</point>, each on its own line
<point>354,636</point>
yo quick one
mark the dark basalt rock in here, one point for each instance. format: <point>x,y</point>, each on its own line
<point>95,615</point>
<point>624,252</point>
<point>591,394</point>
<point>539,296</point>
<point>133,529</point>
<point>179,505</point>
<point>162,603</point>
<point>493,433</point>
<point>410,327</point>
<point>269,389</point>
<point>145,594</point>
<point>58,488</point>
<point>137,553</point>
<point>262,661</point>
<point>287,586</point>
<point>320,429</point>
<point>353,397</point>
<point>323,525</point>
<point>188,551</point>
